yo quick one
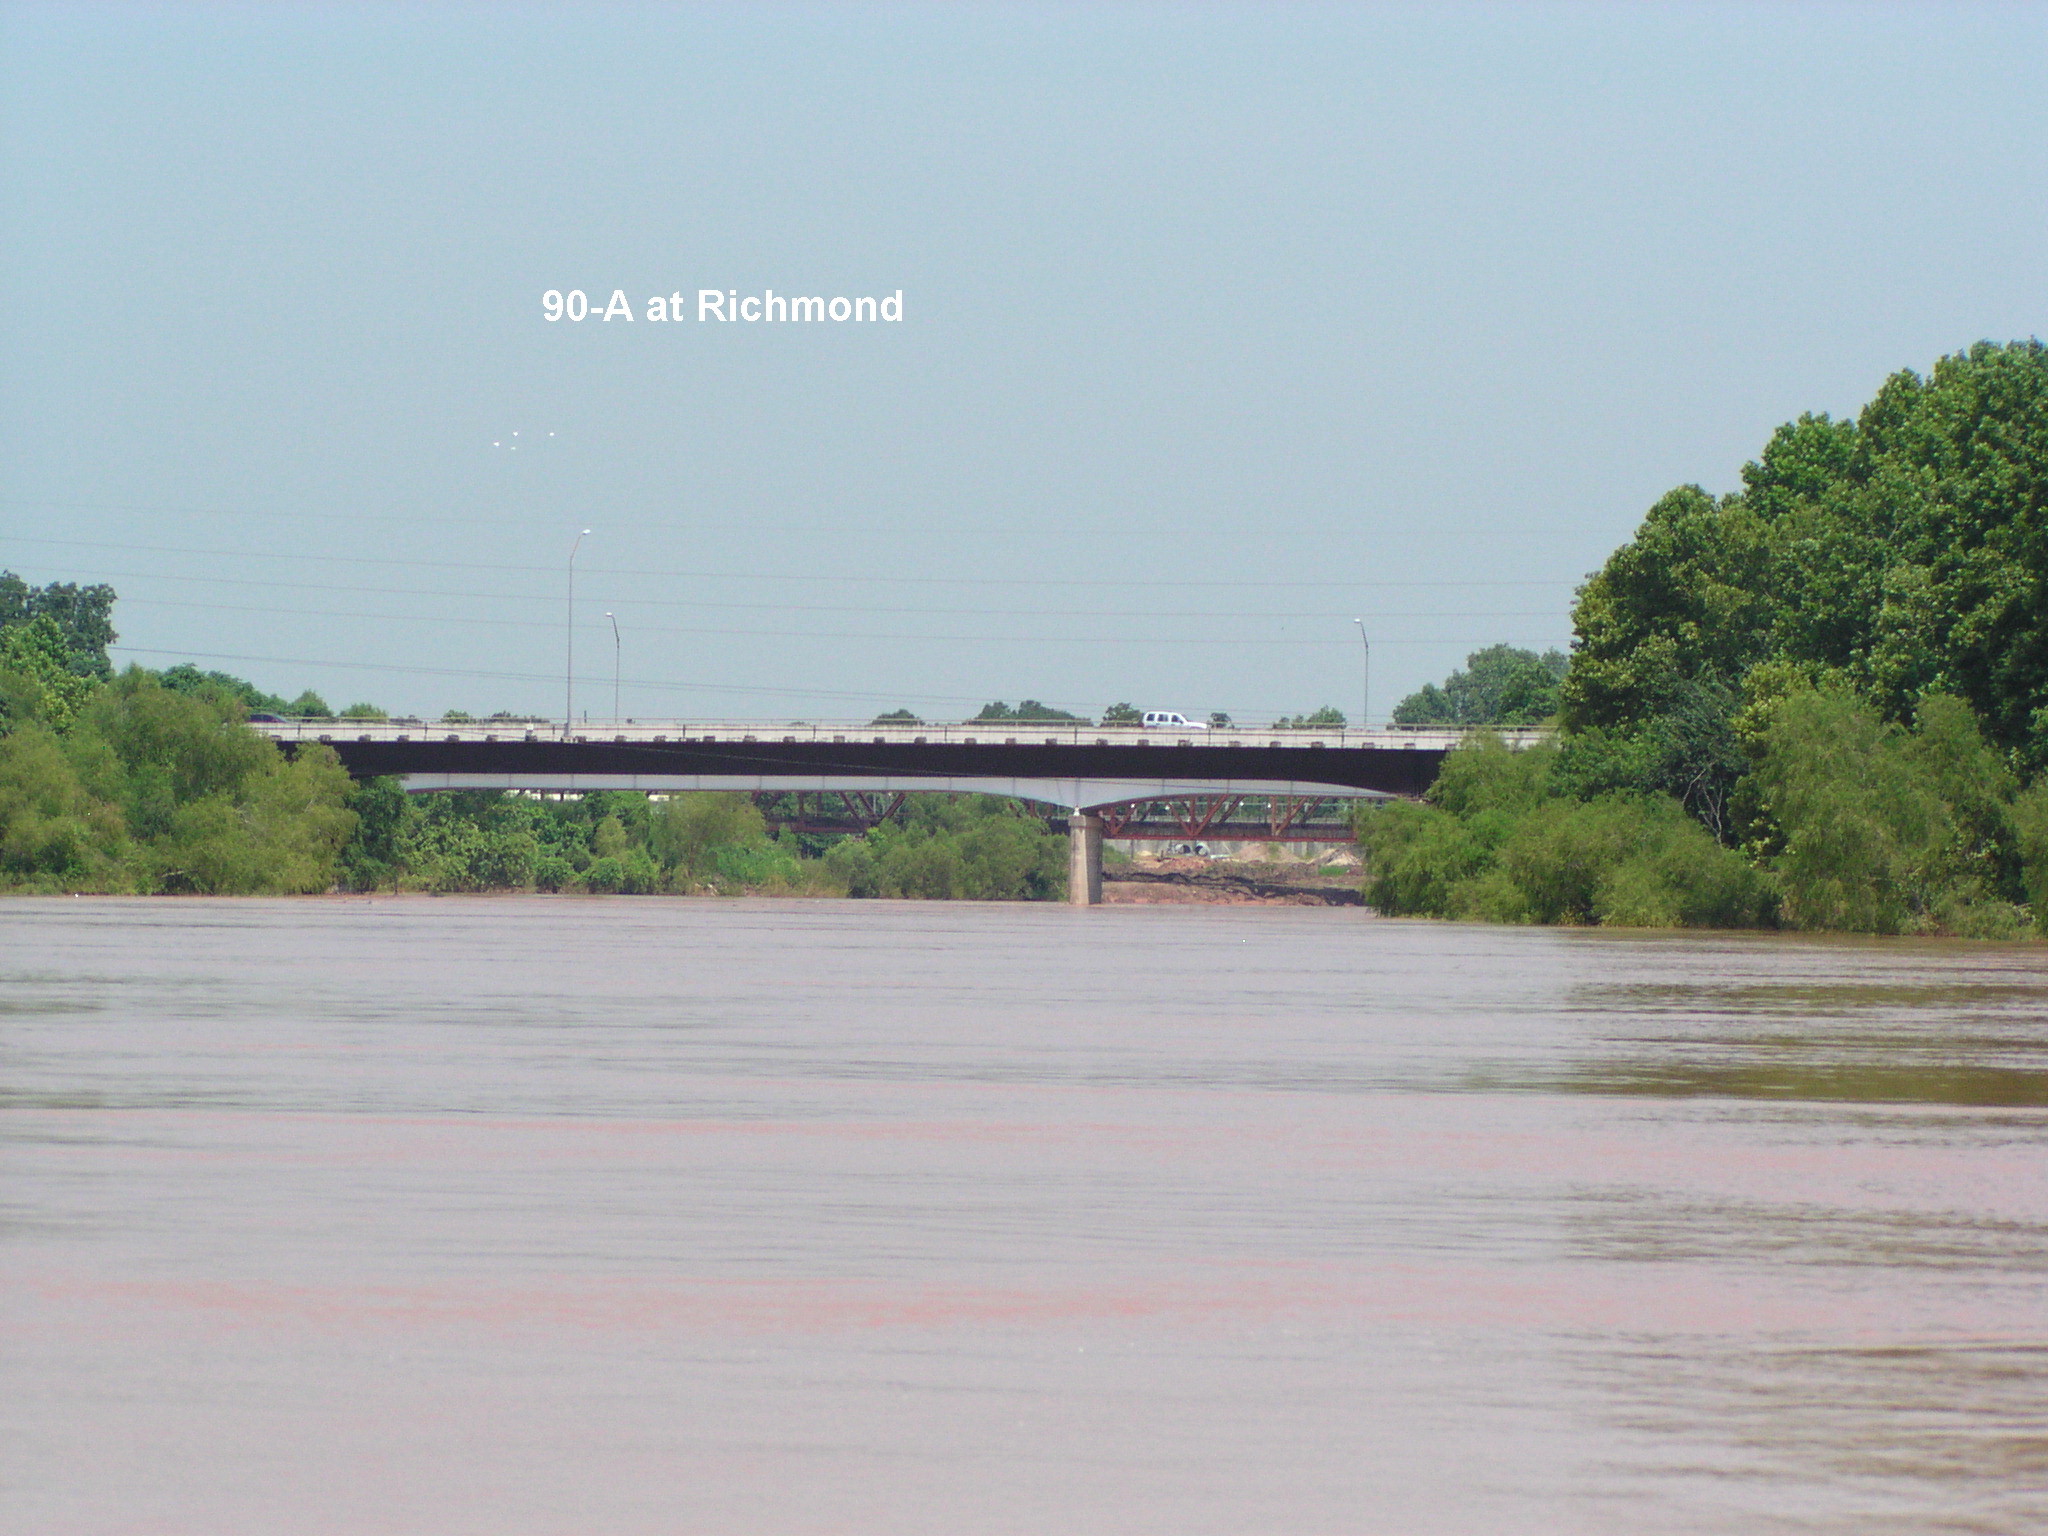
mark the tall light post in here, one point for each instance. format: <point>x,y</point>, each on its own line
<point>615,668</point>
<point>569,665</point>
<point>1365,683</point>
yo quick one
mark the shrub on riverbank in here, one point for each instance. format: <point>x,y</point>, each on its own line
<point>973,848</point>
<point>608,843</point>
<point>1874,828</point>
<point>1844,822</point>
<point>150,790</point>
<point>1501,840</point>
<point>970,847</point>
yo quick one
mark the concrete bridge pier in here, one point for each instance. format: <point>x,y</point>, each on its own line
<point>1084,859</point>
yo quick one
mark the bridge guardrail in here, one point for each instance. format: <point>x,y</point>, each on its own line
<point>978,733</point>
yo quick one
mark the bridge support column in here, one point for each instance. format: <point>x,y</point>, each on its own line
<point>1084,860</point>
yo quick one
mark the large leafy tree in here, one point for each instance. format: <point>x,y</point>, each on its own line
<point>37,680</point>
<point>1902,555</point>
<point>1500,685</point>
<point>1685,598</point>
<point>84,616</point>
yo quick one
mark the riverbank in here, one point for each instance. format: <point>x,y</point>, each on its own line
<point>1232,883</point>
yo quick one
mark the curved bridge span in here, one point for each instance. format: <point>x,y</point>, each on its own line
<point>1077,769</point>
<point>1081,769</point>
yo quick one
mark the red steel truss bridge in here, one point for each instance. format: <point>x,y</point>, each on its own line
<point>1176,819</point>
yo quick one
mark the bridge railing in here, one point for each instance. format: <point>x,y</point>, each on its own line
<point>973,733</point>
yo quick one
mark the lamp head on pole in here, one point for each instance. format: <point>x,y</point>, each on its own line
<point>1365,682</point>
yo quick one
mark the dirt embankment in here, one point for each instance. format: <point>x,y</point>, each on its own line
<point>1158,881</point>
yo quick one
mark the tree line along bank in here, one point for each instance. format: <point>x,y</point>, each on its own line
<point>1817,702</point>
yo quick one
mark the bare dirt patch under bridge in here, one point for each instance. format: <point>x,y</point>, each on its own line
<point>1158,881</point>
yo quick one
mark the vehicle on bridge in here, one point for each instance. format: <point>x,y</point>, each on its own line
<point>1171,720</point>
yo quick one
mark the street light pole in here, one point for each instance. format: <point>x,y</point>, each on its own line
<point>1365,683</point>
<point>615,668</point>
<point>569,664</point>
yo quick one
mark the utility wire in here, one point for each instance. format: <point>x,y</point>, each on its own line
<point>273,584</point>
<point>821,634</point>
<point>783,576</point>
<point>554,678</point>
<point>666,685</point>
<point>406,519</point>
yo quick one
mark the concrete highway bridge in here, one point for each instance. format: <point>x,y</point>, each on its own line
<point>1098,775</point>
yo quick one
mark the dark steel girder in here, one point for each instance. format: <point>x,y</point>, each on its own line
<point>1380,770</point>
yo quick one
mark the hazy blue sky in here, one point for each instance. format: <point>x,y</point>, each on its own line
<point>1223,326</point>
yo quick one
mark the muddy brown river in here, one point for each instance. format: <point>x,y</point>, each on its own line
<point>641,1215</point>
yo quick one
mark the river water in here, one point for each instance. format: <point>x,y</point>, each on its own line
<point>644,1215</point>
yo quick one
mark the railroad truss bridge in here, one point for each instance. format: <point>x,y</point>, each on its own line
<point>1181,819</point>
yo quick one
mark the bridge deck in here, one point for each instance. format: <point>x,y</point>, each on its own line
<point>976,733</point>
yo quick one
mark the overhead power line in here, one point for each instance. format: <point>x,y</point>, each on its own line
<point>554,625</point>
<point>779,576</point>
<point>552,679</point>
<point>275,584</point>
<point>401,669</point>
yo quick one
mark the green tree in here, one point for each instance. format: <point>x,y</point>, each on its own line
<point>2030,828</point>
<point>685,833</point>
<point>1690,748</point>
<point>968,847</point>
<point>1500,685</point>
<point>172,748</point>
<point>212,807</point>
<point>1501,841</point>
<point>1902,555</point>
<point>1627,860</point>
<point>83,616</point>
<point>1030,709</point>
<point>280,832</point>
<point>1875,829</point>
<point>475,840</point>
<point>188,679</point>
<point>37,680</point>
<point>1419,858</point>
<point>54,834</point>
<point>1688,597</point>
<point>375,856</point>
<point>1328,718</point>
